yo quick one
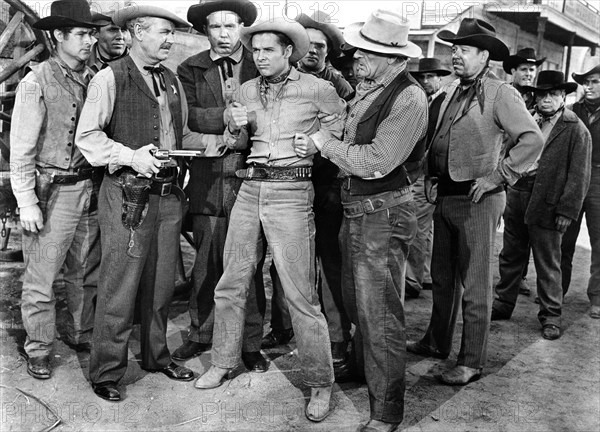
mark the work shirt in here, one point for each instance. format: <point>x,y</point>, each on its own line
<point>100,150</point>
<point>407,122</point>
<point>546,126</point>
<point>293,106</point>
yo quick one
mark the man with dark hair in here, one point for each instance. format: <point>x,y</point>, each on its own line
<point>544,203</point>
<point>588,110</point>
<point>56,189</point>
<point>468,158</point>
<point>110,44</point>
<point>211,80</point>
<point>523,67</point>
<point>418,273</point>
<point>278,112</point>
<point>137,106</point>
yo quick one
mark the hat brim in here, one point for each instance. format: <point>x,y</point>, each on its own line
<point>568,87</point>
<point>353,37</point>
<point>497,49</point>
<point>293,30</point>
<point>331,31</point>
<point>514,60</point>
<point>198,13</point>
<point>121,16</point>
<point>440,72</point>
<point>56,22</point>
<point>579,78</point>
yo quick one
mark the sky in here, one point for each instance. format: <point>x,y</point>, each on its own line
<point>343,12</point>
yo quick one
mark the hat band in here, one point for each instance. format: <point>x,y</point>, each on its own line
<point>388,44</point>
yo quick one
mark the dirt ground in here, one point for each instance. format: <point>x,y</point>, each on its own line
<point>529,384</point>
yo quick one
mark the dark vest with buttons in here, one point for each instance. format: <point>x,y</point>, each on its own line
<point>136,115</point>
<point>379,110</point>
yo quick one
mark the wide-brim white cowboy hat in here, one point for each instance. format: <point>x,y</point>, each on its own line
<point>384,32</point>
<point>291,29</point>
<point>121,16</point>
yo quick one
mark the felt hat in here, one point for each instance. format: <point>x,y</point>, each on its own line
<point>552,80</point>
<point>384,32</point>
<point>322,21</point>
<point>291,29</point>
<point>525,55</point>
<point>67,13</point>
<point>431,65</point>
<point>198,13</point>
<point>580,77</point>
<point>121,16</point>
<point>477,33</point>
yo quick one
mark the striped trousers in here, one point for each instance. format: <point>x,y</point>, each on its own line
<point>464,252</point>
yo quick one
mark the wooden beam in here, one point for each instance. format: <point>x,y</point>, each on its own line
<point>20,62</point>
<point>10,29</point>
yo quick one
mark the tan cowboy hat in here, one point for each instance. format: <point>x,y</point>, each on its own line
<point>322,21</point>
<point>384,32</point>
<point>121,16</point>
<point>291,29</point>
<point>197,14</point>
<point>67,13</point>
<point>477,33</point>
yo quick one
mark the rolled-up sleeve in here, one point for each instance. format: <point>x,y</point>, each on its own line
<point>28,117</point>
<point>394,139</point>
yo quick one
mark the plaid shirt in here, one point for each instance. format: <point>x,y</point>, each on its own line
<point>395,138</point>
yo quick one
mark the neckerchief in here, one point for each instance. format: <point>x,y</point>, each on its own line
<point>542,118</point>
<point>471,88</point>
<point>225,66</point>
<point>593,110</point>
<point>158,78</point>
<point>78,75</point>
<point>265,83</point>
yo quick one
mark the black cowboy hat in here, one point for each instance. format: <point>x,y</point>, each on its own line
<point>552,80</point>
<point>67,13</point>
<point>580,77</point>
<point>525,55</point>
<point>431,65</point>
<point>197,14</point>
<point>347,55</point>
<point>477,33</point>
<point>322,21</point>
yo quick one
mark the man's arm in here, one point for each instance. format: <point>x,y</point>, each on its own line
<point>395,138</point>
<point>93,142</point>
<point>201,119</point>
<point>26,125</point>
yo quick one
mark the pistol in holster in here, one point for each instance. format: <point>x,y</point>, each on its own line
<point>136,194</point>
<point>43,190</point>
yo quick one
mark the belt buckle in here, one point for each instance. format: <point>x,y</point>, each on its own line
<point>368,206</point>
<point>165,189</point>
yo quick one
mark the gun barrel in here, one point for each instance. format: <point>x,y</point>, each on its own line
<point>182,153</point>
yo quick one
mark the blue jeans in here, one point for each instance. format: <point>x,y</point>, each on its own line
<point>147,268</point>
<point>374,250</point>
<point>71,237</point>
<point>281,213</point>
<point>591,209</point>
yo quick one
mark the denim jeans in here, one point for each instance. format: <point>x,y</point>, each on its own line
<point>591,209</point>
<point>71,237</point>
<point>280,213</point>
<point>419,257</point>
<point>145,268</point>
<point>374,249</point>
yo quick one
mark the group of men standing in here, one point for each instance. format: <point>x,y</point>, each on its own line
<point>293,159</point>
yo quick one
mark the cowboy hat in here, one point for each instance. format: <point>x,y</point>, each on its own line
<point>431,65</point>
<point>322,21</point>
<point>67,13</point>
<point>197,14</point>
<point>121,16</point>
<point>552,80</point>
<point>477,33</point>
<point>291,29</point>
<point>102,19</point>
<point>384,32</point>
<point>525,55</point>
<point>580,77</point>
<point>346,56</point>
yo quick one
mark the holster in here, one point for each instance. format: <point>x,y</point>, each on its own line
<point>43,190</point>
<point>136,193</point>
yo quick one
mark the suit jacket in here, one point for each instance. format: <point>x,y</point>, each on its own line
<point>212,186</point>
<point>563,174</point>
<point>476,135</point>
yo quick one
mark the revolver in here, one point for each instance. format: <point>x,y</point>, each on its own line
<point>166,156</point>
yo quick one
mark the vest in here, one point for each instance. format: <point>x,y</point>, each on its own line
<point>136,116</point>
<point>379,110</point>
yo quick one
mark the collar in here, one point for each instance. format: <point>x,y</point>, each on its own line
<point>141,63</point>
<point>549,118</point>
<point>69,72</point>
<point>236,56</point>
<point>382,81</point>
